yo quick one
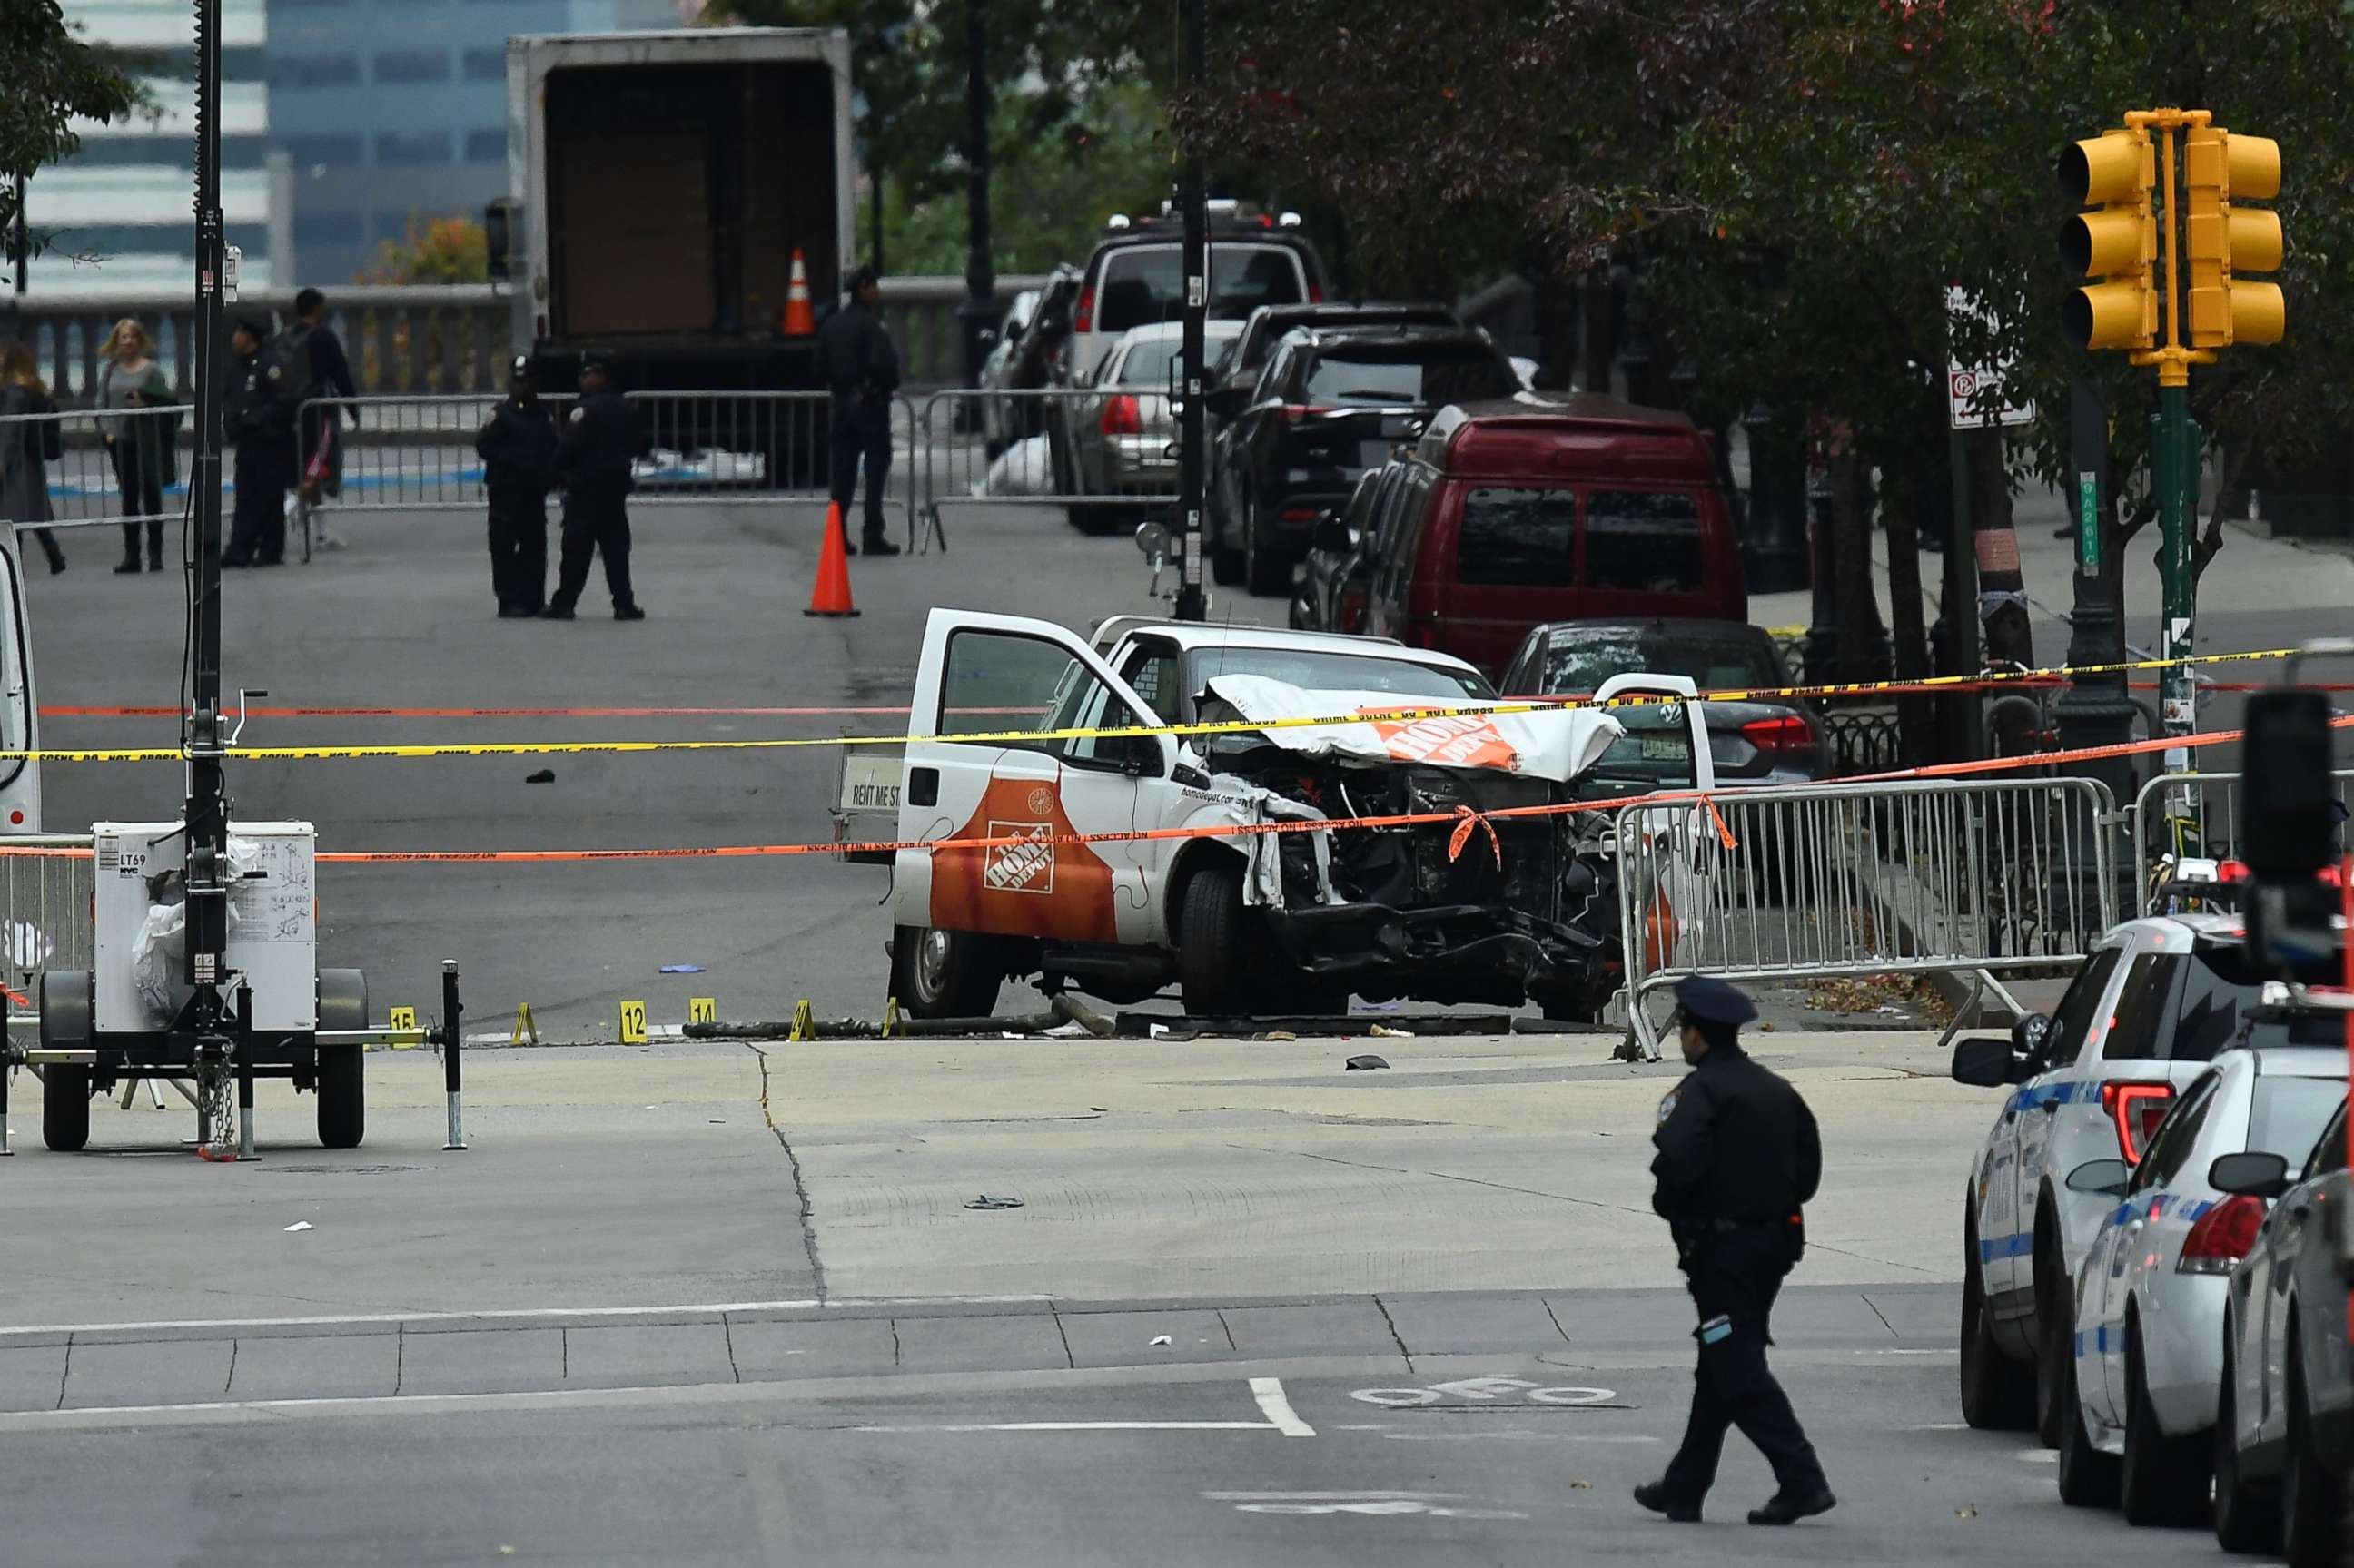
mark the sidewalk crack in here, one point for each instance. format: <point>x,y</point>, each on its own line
<point>64,1373</point>
<point>728,1332</point>
<point>1069,1360</point>
<point>1390,1324</point>
<point>230,1382</point>
<point>801,1186</point>
<point>1546,1303</point>
<point>1882,1316</point>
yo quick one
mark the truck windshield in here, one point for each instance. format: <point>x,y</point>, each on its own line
<point>1320,670</point>
<point>1147,283</point>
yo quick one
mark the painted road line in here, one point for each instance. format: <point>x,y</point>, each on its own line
<point>1081,1426</point>
<point>362,1319</point>
<point>1272,1402</point>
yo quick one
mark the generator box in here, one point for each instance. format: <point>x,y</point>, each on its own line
<point>139,914</point>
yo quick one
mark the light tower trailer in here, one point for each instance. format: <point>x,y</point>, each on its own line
<point>135,1016</point>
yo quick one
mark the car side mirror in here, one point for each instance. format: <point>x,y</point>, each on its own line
<point>1986,1062</point>
<point>2252,1174</point>
<point>2029,1036</point>
<point>2104,1178</point>
<point>1332,535</point>
<point>1227,402</point>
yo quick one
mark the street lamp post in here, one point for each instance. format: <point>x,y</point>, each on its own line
<point>980,310</point>
<point>1194,430</point>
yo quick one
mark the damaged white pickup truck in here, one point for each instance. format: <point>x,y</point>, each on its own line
<point>1468,907</point>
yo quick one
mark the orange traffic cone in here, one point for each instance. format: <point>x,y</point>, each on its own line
<point>800,319</point>
<point>831,594</point>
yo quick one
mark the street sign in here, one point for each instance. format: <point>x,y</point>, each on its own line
<point>1974,393</point>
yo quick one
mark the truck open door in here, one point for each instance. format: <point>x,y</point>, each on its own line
<point>20,713</point>
<point>1669,854</point>
<point>991,678</point>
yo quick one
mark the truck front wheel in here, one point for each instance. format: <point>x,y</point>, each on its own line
<point>1211,977</point>
<point>945,974</point>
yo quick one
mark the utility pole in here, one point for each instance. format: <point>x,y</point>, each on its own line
<point>980,270</point>
<point>1193,428</point>
<point>2095,710</point>
<point>203,741</point>
<point>21,241</point>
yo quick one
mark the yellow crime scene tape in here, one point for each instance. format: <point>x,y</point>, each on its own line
<point>1933,684</point>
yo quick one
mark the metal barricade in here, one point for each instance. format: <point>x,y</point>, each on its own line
<point>110,463</point>
<point>1105,453</point>
<point>1844,879</point>
<point>2213,797</point>
<point>418,453</point>
<point>45,910</point>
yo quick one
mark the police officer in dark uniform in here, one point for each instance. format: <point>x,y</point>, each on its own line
<point>862,370</point>
<point>601,440</point>
<point>1738,1157</point>
<point>258,417</point>
<point>518,451</point>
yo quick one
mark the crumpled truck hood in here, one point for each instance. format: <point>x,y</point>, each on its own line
<point>1559,743</point>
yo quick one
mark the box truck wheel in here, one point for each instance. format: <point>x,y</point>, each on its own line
<point>65,1088</point>
<point>342,1090</point>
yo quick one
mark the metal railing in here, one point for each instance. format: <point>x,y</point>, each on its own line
<point>102,473</point>
<point>2213,802</point>
<point>1056,446</point>
<point>418,453</point>
<point>45,911</point>
<point>1822,880</point>
<point>453,337</point>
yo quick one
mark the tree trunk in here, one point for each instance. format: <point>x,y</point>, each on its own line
<point>1855,600</point>
<point>1916,712</point>
<point>1559,299</point>
<point>1598,349</point>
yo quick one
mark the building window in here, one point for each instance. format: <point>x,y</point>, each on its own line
<point>307,151</point>
<point>486,146</point>
<point>412,64</point>
<point>412,146</point>
<point>314,70</point>
<point>486,65</point>
<point>326,229</point>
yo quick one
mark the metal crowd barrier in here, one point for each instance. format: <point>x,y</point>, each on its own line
<point>45,911</point>
<point>2214,801</point>
<point>418,453</point>
<point>1821,881</point>
<point>95,482</point>
<point>1049,446</point>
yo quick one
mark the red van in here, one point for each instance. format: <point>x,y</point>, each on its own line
<point>1539,508</point>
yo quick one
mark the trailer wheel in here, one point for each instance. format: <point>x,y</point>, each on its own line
<point>64,1090</point>
<point>343,1089</point>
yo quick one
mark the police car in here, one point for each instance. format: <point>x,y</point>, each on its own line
<point>2148,1008</point>
<point>2147,1339</point>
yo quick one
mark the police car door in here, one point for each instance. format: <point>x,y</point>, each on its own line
<point>997,676</point>
<point>20,776</point>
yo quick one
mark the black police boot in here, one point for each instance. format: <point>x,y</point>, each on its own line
<point>1786,1508</point>
<point>628,613</point>
<point>879,547</point>
<point>556,612</point>
<point>1655,1496</point>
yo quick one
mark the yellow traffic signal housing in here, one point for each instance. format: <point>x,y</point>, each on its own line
<point>2116,245</point>
<point>2221,240</point>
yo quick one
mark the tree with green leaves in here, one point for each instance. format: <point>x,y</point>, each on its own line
<point>48,78</point>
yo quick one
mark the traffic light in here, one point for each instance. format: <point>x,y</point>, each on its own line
<point>2117,244</point>
<point>2221,240</point>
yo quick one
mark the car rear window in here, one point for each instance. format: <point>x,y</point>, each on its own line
<point>2222,985</point>
<point>1147,283</point>
<point>1577,660</point>
<point>1643,541</point>
<point>1427,376</point>
<point>2288,1114</point>
<point>1517,538</point>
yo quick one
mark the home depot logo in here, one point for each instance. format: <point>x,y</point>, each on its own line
<point>1027,866</point>
<point>1449,740</point>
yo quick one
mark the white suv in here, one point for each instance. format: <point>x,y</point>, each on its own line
<point>2152,1005</point>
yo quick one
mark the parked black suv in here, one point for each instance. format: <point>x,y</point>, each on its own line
<point>1329,406</point>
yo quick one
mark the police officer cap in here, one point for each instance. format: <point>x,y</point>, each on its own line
<point>864,275</point>
<point>1713,1001</point>
<point>596,362</point>
<point>520,368</point>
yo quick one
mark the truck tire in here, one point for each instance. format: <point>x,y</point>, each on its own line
<point>945,974</point>
<point>1997,1392</point>
<point>1225,566</point>
<point>65,1088</point>
<point>1211,978</point>
<point>343,1086</point>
